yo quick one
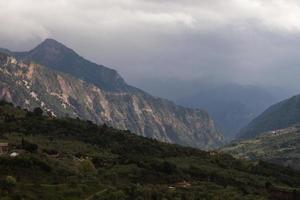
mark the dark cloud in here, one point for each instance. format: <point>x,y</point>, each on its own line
<point>246,41</point>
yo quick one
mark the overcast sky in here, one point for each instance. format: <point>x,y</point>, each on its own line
<point>247,41</point>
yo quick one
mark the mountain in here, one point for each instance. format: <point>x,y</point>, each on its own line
<point>31,85</point>
<point>232,106</point>
<point>57,56</point>
<point>51,159</point>
<point>5,51</point>
<point>278,146</point>
<point>278,116</point>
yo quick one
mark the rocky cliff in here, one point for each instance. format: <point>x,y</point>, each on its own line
<point>29,85</point>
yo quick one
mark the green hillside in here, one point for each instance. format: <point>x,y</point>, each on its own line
<point>278,116</point>
<point>73,159</point>
<point>280,147</point>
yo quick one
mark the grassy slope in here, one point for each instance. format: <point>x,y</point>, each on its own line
<point>281,147</point>
<point>79,160</point>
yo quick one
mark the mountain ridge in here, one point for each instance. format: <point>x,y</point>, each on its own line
<point>56,55</point>
<point>60,93</point>
<point>232,106</point>
<point>278,116</point>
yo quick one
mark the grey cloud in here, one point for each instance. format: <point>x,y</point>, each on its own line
<point>246,41</point>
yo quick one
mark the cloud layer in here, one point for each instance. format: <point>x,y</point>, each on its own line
<point>247,41</point>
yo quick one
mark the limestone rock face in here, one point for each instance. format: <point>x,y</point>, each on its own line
<point>31,85</point>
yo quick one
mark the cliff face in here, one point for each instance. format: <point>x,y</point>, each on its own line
<point>29,85</point>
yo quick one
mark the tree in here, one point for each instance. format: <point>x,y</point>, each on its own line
<point>38,112</point>
<point>86,167</point>
<point>31,147</point>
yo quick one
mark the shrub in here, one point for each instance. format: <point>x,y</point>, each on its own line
<point>28,146</point>
<point>87,167</point>
<point>9,183</point>
<point>38,112</point>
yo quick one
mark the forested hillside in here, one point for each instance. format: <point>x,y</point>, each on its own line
<point>50,158</point>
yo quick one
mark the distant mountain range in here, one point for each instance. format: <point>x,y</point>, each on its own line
<point>55,78</point>
<point>231,105</point>
<point>278,116</point>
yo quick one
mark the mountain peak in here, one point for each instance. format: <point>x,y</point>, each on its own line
<point>50,41</point>
<point>57,56</point>
<point>51,46</point>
